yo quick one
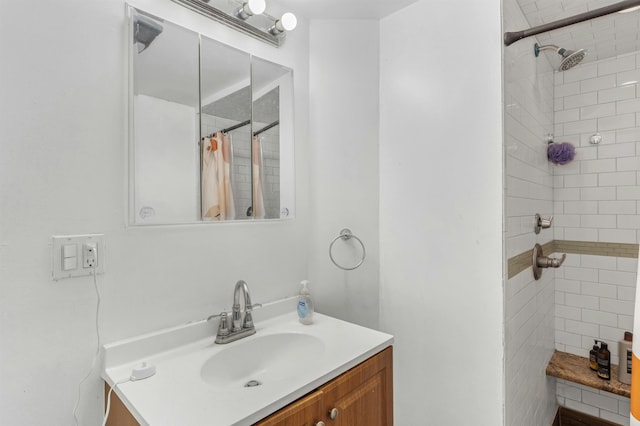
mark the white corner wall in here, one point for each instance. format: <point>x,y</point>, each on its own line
<point>343,166</point>
<point>441,210</point>
<point>62,171</point>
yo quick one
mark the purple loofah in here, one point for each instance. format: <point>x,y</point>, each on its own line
<point>560,153</point>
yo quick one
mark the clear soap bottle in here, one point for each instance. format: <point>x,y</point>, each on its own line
<point>305,304</point>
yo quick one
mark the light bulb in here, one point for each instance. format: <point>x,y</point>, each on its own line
<point>250,8</point>
<point>255,7</point>
<point>287,22</point>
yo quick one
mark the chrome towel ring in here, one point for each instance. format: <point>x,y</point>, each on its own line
<point>346,235</point>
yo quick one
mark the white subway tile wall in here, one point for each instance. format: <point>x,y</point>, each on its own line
<point>594,300</point>
<point>600,189</point>
<point>529,304</point>
<point>596,199</point>
<point>604,405</point>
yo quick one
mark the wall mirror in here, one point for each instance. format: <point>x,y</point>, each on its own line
<point>211,129</point>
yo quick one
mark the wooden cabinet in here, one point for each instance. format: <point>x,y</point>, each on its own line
<point>363,396</point>
<point>119,415</point>
<point>303,412</point>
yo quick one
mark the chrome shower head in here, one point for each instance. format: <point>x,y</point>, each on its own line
<point>569,58</point>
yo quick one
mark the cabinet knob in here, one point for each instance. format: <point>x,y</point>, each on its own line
<point>320,423</point>
<point>333,413</point>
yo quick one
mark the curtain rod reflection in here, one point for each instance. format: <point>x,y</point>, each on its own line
<point>229,129</point>
<point>267,127</point>
<point>244,123</point>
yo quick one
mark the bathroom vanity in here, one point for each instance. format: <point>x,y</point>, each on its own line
<point>328,373</point>
<point>361,396</point>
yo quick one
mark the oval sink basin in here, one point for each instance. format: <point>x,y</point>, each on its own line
<point>261,360</point>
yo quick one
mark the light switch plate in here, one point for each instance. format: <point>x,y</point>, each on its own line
<point>69,263</point>
<point>63,253</point>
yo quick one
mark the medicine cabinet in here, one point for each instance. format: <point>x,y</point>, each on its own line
<point>210,129</point>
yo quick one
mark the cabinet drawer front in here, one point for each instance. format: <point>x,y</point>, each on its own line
<point>363,396</point>
<point>303,412</point>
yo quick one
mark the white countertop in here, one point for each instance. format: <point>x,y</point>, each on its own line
<point>177,394</point>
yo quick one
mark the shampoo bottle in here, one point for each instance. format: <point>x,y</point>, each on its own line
<point>305,304</point>
<point>593,356</point>
<point>625,353</point>
<point>604,362</point>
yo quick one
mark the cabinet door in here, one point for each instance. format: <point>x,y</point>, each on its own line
<point>363,396</point>
<point>304,412</point>
<point>119,414</point>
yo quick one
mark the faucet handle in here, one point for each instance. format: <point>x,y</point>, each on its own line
<point>541,223</point>
<point>248,316</point>
<point>223,327</point>
<point>248,319</point>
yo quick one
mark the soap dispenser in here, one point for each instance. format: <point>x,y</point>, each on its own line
<point>305,304</point>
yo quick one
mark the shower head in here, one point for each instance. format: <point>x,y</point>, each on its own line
<point>145,30</point>
<point>570,58</point>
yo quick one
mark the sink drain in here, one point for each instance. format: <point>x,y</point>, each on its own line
<point>252,383</point>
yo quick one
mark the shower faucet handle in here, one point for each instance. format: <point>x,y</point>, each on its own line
<point>550,262</point>
<point>540,261</point>
<point>541,223</point>
<point>545,223</point>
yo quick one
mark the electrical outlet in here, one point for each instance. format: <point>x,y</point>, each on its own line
<point>77,255</point>
<point>90,255</point>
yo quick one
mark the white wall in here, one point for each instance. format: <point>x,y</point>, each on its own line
<point>441,210</point>
<point>343,167</point>
<point>174,197</point>
<point>62,171</point>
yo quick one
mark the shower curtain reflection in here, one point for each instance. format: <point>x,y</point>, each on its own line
<point>217,192</point>
<point>258,178</point>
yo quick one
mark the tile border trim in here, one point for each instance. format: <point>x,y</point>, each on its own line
<point>522,261</point>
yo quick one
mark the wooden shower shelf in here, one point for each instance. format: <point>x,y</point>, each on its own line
<point>576,369</point>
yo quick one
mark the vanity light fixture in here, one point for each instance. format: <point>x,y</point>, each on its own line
<point>287,22</point>
<point>250,8</point>
<point>246,16</point>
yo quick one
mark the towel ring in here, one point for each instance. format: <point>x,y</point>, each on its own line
<point>346,235</point>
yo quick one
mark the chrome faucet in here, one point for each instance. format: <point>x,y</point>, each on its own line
<point>237,323</point>
<point>240,327</point>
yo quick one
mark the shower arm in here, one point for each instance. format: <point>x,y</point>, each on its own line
<point>538,48</point>
<point>512,37</point>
